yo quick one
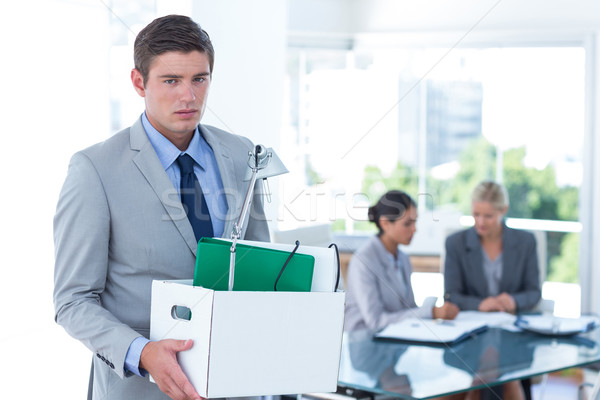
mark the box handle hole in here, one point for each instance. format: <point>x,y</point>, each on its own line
<point>181,313</point>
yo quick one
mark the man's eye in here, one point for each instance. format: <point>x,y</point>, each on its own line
<point>200,79</point>
<point>170,81</point>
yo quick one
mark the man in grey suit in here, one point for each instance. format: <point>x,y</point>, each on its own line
<point>120,222</point>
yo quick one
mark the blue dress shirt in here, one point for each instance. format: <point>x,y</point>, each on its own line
<point>209,176</point>
<point>205,168</point>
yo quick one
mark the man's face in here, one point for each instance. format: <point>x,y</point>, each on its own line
<point>175,92</point>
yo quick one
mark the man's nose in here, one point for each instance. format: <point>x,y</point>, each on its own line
<point>187,93</point>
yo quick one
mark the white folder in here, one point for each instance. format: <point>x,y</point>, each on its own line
<point>325,275</point>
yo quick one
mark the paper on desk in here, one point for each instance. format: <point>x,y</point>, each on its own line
<point>550,325</point>
<point>495,319</point>
<point>431,331</point>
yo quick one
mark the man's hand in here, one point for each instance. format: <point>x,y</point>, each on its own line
<point>160,360</point>
<point>446,311</point>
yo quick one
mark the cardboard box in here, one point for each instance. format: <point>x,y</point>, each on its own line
<point>252,343</point>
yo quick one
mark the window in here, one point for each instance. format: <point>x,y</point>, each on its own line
<point>434,122</point>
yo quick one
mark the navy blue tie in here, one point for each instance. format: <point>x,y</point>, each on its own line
<point>193,199</point>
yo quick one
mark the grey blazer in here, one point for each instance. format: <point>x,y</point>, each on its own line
<point>374,296</point>
<point>119,224</point>
<point>464,279</point>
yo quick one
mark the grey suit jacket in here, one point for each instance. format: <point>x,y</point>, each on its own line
<point>464,279</point>
<point>119,225</point>
<point>375,297</point>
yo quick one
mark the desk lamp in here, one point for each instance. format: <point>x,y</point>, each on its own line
<point>263,164</point>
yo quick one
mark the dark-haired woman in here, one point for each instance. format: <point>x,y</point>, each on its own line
<point>379,291</point>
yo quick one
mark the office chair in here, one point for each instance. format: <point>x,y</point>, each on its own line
<point>595,394</point>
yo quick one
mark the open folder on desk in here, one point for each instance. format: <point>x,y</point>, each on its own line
<point>556,326</point>
<point>431,331</point>
<point>256,269</point>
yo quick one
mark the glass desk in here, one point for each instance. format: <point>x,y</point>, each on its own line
<point>413,371</point>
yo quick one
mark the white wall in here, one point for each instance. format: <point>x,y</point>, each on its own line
<point>249,38</point>
<point>322,16</point>
<point>54,102</point>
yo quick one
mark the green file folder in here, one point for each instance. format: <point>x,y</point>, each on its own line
<point>256,268</point>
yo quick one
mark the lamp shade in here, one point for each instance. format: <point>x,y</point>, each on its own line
<point>270,166</point>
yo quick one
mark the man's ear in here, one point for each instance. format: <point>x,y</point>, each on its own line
<point>138,82</point>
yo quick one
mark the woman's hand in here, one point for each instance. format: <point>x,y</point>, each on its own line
<point>503,302</point>
<point>491,304</point>
<point>446,311</point>
<point>507,301</point>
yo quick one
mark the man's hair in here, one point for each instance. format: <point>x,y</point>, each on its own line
<point>170,33</point>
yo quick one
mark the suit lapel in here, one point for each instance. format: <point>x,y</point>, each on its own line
<point>509,260</point>
<point>225,162</point>
<point>149,165</point>
<point>475,261</point>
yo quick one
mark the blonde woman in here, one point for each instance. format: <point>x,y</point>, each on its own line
<point>491,267</point>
